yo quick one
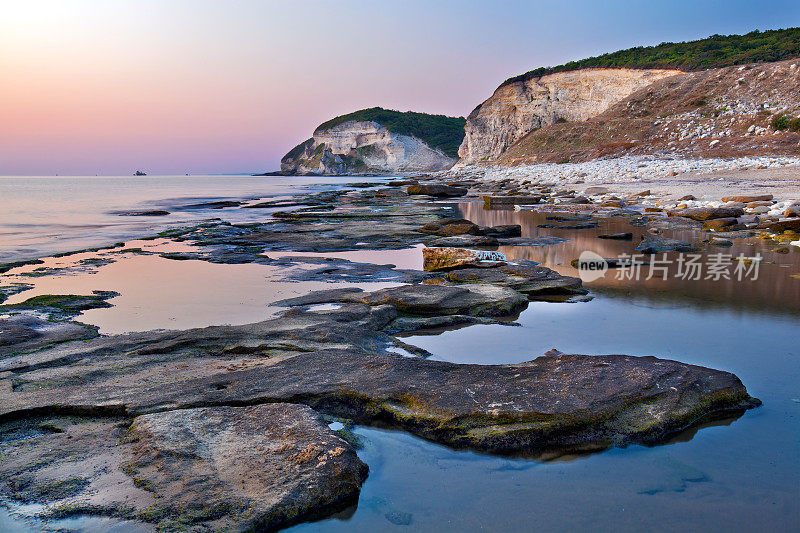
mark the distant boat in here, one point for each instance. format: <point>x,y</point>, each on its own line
<point>139,173</point>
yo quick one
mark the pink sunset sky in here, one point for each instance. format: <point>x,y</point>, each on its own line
<point>172,86</point>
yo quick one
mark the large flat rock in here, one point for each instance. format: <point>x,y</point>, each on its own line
<point>525,278</point>
<point>214,426</point>
<point>473,299</point>
<point>215,468</point>
<point>566,402</point>
<point>247,468</point>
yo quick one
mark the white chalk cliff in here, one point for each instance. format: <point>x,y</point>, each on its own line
<point>519,107</point>
<point>363,147</point>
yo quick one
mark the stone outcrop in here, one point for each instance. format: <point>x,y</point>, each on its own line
<point>335,362</point>
<point>221,468</point>
<point>363,147</point>
<point>520,107</point>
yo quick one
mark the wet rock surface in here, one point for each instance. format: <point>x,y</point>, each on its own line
<point>433,300</point>
<point>219,468</point>
<point>527,278</point>
<point>465,241</point>
<point>653,244</point>
<point>335,362</point>
<point>437,190</point>
<point>434,259</point>
<point>627,236</point>
<point>46,320</point>
<point>255,468</point>
<point>232,411</point>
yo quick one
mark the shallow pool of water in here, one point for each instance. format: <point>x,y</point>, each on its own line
<point>740,475</point>
<point>159,293</point>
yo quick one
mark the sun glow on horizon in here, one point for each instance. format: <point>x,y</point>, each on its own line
<point>103,86</point>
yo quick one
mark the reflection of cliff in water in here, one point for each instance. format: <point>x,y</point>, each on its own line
<point>774,290</point>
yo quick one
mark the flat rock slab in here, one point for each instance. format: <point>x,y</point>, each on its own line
<point>465,241</point>
<point>627,236</point>
<point>748,199</point>
<point>504,230</point>
<point>577,225</point>
<point>437,190</point>
<point>543,240</point>
<point>24,332</point>
<point>707,213</point>
<point>786,224</point>
<point>652,244</point>
<point>720,223</point>
<point>508,201</point>
<point>527,279</point>
<point>564,402</point>
<point>248,468</point>
<point>437,300</point>
<point>215,468</point>
<point>449,227</point>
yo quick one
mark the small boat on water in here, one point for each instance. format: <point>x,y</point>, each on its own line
<point>139,173</point>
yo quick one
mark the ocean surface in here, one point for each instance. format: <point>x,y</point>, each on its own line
<point>43,215</point>
<point>739,474</point>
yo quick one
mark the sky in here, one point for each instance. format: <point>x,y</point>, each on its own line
<point>229,86</point>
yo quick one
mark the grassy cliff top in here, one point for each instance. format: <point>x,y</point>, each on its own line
<point>712,52</point>
<point>438,131</point>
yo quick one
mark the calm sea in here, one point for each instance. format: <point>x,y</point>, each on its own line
<point>43,215</point>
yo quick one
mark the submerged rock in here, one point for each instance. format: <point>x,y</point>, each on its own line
<point>577,225</point>
<point>617,236</point>
<point>506,230</point>
<point>652,244</point>
<point>152,213</point>
<point>531,241</point>
<point>719,241</point>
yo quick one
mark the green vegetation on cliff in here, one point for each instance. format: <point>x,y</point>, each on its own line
<point>712,52</point>
<point>437,131</point>
<point>298,150</point>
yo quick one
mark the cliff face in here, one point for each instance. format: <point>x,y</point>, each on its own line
<point>355,147</point>
<point>745,110</point>
<point>519,107</point>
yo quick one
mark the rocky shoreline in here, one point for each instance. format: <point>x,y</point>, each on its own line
<point>235,412</point>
